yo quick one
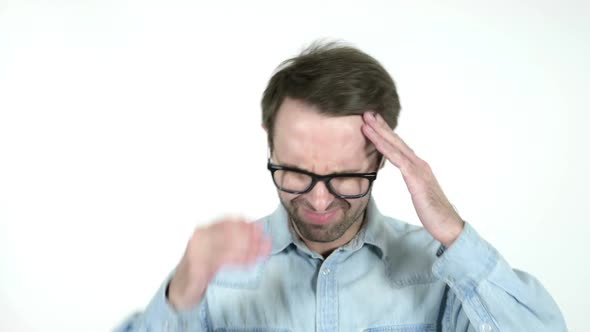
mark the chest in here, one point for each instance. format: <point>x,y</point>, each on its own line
<point>292,293</point>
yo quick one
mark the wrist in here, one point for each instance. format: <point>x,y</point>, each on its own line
<point>186,289</point>
<point>181,299</point>
<point>452,232</point>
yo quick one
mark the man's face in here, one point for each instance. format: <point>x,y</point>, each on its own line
<point>307,140</point>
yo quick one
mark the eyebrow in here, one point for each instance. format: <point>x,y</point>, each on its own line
<point>339,172</point>
<point>355,170</point>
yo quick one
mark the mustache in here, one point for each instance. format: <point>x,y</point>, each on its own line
<point>300,201</point>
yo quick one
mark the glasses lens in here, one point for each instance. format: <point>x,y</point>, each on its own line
<point>291,181</point>
<point>350,186</point>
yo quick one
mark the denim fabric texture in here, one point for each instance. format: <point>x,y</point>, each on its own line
<point>392,277</point>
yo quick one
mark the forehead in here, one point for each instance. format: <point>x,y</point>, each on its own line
<point>305,138</point>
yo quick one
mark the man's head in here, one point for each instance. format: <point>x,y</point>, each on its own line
<point>338,80</point>
<point>311,110</point>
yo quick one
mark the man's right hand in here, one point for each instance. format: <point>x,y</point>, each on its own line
<point>227,242</point>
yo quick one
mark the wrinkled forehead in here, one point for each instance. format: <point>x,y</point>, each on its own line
<point>305,138</point>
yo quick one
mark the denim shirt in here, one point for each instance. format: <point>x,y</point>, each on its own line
<point>392,276</point>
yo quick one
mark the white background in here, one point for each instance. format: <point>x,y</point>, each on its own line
<point>125,124</point>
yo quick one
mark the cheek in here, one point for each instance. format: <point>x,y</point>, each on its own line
<point>286,198</point>
<point>358,204</point>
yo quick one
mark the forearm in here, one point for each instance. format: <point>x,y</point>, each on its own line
<point>486,294</point>
<point>161,315</point>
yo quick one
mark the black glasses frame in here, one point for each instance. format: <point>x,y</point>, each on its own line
<point>315,178</point>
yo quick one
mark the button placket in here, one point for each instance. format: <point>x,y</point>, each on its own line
<point>327,296</point>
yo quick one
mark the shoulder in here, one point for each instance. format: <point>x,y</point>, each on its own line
<point>409,252</point>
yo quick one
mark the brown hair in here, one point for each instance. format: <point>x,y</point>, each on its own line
<point>337,79</point>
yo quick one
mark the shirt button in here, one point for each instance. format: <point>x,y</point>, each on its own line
<point>326,271</point>
<point>485,328</point>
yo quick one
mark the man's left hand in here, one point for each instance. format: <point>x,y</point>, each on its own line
<point>432,206</point>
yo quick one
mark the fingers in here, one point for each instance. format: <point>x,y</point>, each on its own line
<point>389,143</point>
<point>265,247</point>
<point>243,243</point>
<point>259,244</point>
<point>393,154</point>
<point>252,243</point>
<point>394,138</point>
<point>377,123</point>
<point>232,241</point>
<point>264,243</point>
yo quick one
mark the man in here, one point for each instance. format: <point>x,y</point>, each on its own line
<point>326,259</point>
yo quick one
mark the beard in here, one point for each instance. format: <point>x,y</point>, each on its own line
<point>347,216</point>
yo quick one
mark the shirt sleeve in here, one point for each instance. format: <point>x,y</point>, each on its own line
<point>486,294</point>
<point>159,315</point>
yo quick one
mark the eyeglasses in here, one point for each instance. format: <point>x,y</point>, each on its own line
<point>344,185</point>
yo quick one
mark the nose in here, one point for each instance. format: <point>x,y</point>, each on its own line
<point>320,197</point>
